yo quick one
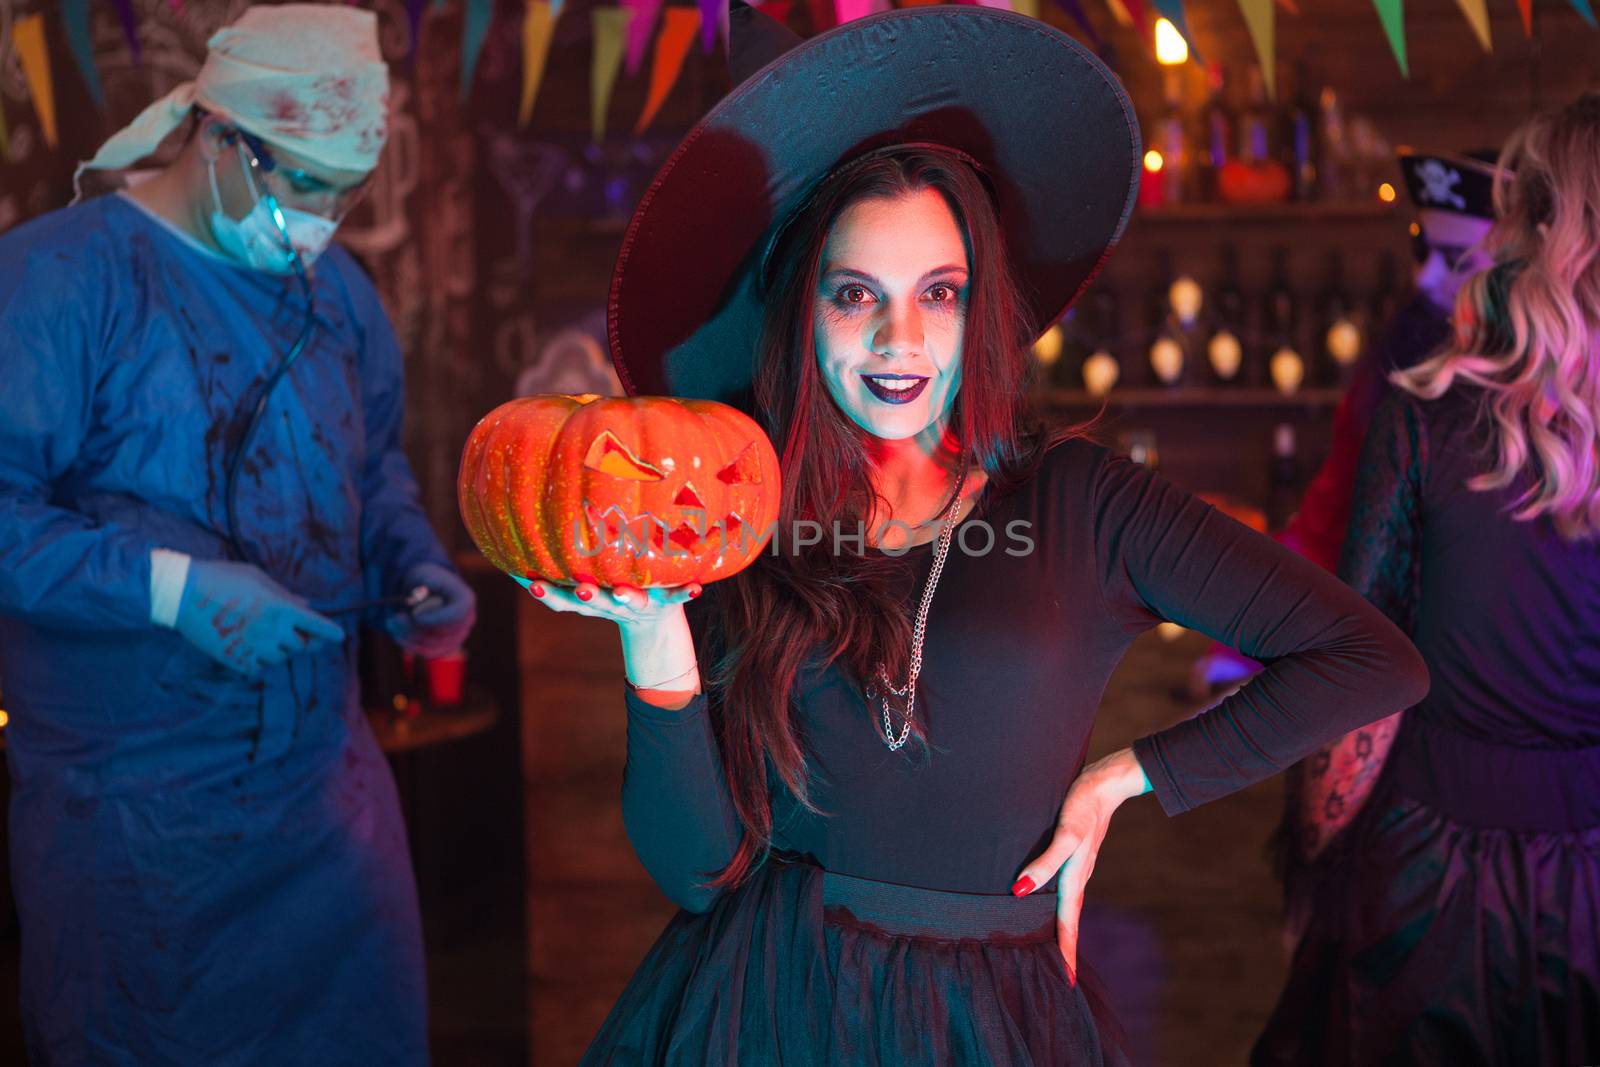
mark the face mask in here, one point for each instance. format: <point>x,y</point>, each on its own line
<point>257,240</point>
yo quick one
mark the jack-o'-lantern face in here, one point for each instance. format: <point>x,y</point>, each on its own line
<point>645,491</point>
<point>682,517</point>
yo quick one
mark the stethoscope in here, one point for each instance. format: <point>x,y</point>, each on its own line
<point>409,601</point>
<point>231,485</point>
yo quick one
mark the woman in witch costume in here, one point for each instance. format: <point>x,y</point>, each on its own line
<point>874,810</point>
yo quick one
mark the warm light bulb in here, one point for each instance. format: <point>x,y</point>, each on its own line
<point>1171,48</point>
<point>1166,359</point>
<point>1226,355</point>
<point>1344,342</point>
<point>1386,193</point>
<point>1186,298</point>
<point>1047,349</point>
<point>1288,370</point>
<point>1153,161</point>
<point>1100,373</point>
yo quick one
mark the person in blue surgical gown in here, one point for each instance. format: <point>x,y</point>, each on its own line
<point>201,483</point>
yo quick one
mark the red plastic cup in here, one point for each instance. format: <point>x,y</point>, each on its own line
<point>447,677</point>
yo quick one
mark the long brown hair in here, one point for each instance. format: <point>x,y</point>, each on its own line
<point>769,621</point>
<point>1527,331</point>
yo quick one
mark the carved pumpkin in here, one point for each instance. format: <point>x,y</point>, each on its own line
<point>643,491</point>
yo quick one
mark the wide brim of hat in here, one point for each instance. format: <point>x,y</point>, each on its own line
<point>1049,123</point>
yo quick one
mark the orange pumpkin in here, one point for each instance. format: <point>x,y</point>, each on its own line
<point>643,491</point>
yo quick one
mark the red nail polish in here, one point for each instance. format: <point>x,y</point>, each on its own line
<point>694,593</point>
<point>536,590</point>
<point>1023,887</point>
<point>584,594</point>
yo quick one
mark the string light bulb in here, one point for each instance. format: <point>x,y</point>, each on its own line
<point>1171,49</point>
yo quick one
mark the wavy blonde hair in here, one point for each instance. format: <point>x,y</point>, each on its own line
<point>1527,331</point>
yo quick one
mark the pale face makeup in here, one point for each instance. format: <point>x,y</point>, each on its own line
<point>1455,253</point>
<point>889,313</point>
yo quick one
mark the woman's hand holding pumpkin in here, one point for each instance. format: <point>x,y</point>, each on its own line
<point>657,645</point>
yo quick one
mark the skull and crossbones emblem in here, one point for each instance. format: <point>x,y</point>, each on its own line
<point>1439,183</point>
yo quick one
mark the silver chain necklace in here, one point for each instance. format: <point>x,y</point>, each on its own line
<point>909,690</point>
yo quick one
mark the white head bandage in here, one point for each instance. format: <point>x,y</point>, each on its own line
<point>306,77</point>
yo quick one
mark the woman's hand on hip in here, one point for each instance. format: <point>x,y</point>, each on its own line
<point>1085,816</point>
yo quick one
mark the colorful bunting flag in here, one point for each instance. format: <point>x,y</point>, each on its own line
<point>1119,12</point>
<point>1525,8</point>
<point>640,29</point>
<point>1259,20</point>
<point>1074,11</point>
<point>27,37</point>
<point>713,16</point>
<point>1290,6</point>
<point>1477,12</point>
<point>1586,11</point>
<point>473,31</point>
<point>538,25</point>
<point>75,22</point>
<point>777,10</point>
<point>678,26</point>
<point>610,41</point>
<point>130,28</point>
<point>1393,16</point>
<point>1136,15</point>
<point>850,10</point>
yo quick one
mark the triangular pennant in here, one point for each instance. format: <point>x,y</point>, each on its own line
<point>1172,10</point>
<point>414,23</point>
<point>1119,12</point>
<point>75,23</point>
<point>130,28</point>
<point>713,16</point>
<point>1525,8</point>
<point>1074,11</point>
<point>678,26</point>
<point>1477,13</point>
<point>1258,19</point>
<point>1393,16</point>
<point>776,10</point>
<point>610,40</point>
<point>473,31</point>
<point>537,28</point>
<point>27,37</point>
<point>1136,14</point>
<point>1586,11</point>
<point>640,27</point>
<point>849,10</point>
<point>1290,6</point>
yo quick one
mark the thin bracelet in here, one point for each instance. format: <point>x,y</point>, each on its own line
<point>664,681</point>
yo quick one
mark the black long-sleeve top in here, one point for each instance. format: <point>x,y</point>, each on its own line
<point>1020,644</point>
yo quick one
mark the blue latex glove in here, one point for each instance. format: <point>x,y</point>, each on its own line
<point>244,620</point>
<point>441,623</point>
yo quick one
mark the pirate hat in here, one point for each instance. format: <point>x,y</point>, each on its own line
<point>1047,123</point>
<point>1438,182</point>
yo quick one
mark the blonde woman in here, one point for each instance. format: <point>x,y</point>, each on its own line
<point>1455,911</point>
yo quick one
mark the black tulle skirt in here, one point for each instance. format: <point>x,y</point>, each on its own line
<point>802,966</point>
<point>1439,942</point>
